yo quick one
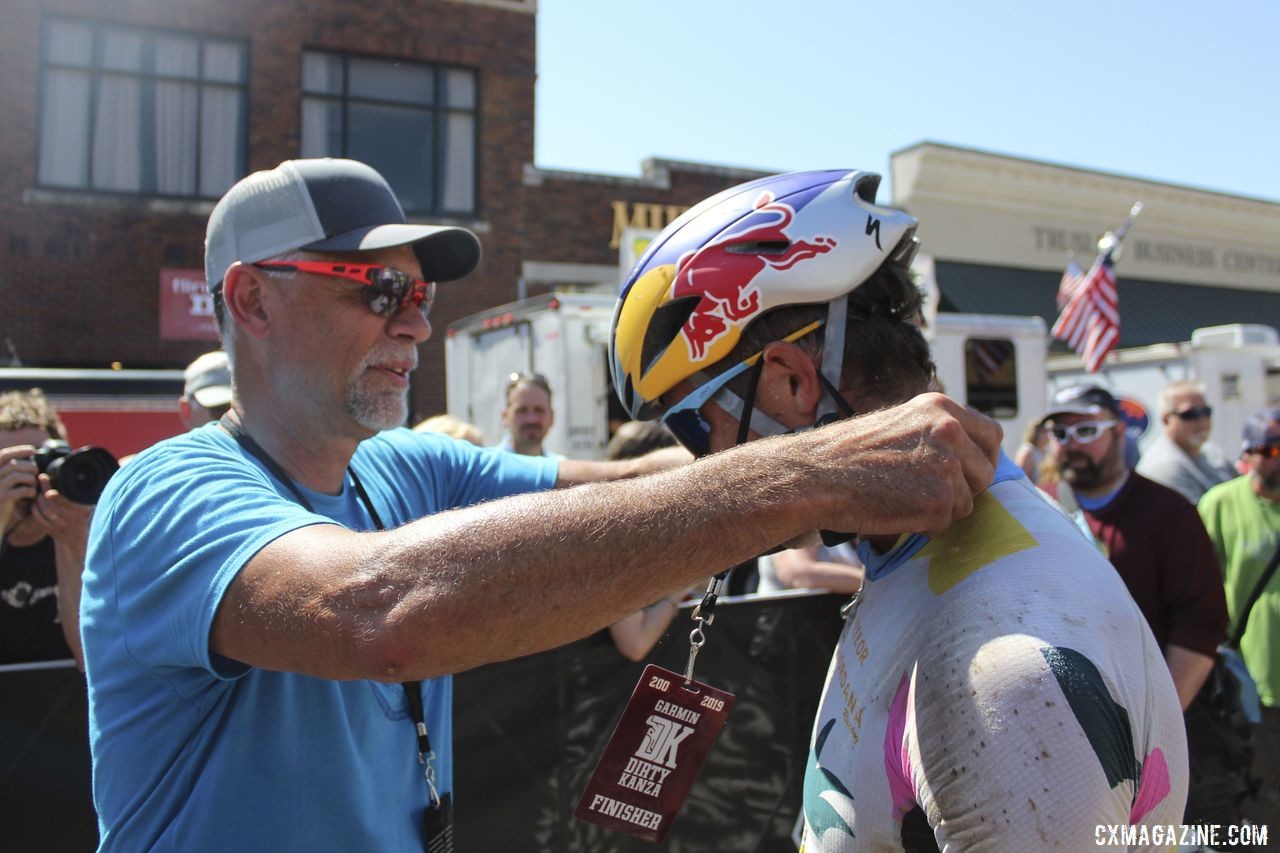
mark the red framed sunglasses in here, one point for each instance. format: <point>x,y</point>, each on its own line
<point>386,289</point>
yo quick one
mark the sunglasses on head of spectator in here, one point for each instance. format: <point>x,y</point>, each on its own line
<point>1081,433</point>
<point>1194,414</point>
<point>386,289</point>
<point>1270,450</point>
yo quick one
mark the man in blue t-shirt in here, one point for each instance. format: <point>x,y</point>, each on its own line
<point>274,601</point>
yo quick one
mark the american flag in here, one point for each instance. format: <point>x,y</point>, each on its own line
<point>1072,278</point>
<point>1089,321</point>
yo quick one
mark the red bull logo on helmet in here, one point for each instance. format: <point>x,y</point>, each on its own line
<point>723,272</point>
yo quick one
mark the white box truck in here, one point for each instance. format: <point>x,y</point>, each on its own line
<point>565,337</point>
<point>994,363</point>
<point>1239,365</point>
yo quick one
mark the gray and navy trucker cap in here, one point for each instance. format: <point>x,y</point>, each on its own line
<point>327,205</point>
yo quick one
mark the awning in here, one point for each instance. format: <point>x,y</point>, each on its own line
<point>1151,312</point>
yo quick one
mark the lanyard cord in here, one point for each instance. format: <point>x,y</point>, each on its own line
<point>412,689</point>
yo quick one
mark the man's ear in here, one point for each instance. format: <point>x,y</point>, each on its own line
<point>242,294</point>
<point>789,388</point>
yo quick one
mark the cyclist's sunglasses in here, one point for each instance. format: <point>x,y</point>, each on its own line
<point>1194,414</point>
<point>1082,433</point>
<point>386,290</point>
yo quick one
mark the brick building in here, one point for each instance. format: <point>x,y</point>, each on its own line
<point>127,119</point>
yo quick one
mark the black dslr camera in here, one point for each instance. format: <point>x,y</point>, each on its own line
<point>80,475</point>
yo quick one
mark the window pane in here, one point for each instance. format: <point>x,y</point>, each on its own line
<point>177,57</point>
<point>223,61</point>
<point>122,50</point>
<point>68,43</point>
<point>117,163</point>
<point>991,376</point>
<point>321,128</point>
<point>175,138</point>
<point>460,88</point>
<point>390,81</point>
<point>397,142</point>
<point>221,134</point>
<point>321,73</point>
<point>64,129</point>
<point>458,181</point>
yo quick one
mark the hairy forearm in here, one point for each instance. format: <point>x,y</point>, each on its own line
<point>507,578</point>
<point>539,571</point>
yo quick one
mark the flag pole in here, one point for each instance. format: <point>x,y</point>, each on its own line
<point>1089,321</point>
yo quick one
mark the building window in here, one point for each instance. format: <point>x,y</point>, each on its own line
<point>132,110</point>
<point>991,376</point>
<point>414,123</point>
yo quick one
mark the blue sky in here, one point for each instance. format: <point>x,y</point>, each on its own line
<point>1179,92</point>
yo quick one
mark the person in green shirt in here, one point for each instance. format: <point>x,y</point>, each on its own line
<point>1243,520</point>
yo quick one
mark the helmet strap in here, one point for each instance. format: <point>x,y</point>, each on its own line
<point>749,404</point>
<point>833,359</point>
<point>832,407</point>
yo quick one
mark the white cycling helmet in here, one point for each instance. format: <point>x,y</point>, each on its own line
<point>793,239</point>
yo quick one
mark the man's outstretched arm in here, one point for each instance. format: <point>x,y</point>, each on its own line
<point>507,578</point>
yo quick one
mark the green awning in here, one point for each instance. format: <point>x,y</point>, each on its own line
<point>1151,312</point>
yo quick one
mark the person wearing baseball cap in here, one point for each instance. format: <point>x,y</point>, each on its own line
<point>274,604</point>
<point>206,390</point>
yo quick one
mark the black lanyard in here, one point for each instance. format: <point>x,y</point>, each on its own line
<point>412,689</point>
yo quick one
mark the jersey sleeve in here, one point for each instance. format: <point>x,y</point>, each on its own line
<point>172,531</point>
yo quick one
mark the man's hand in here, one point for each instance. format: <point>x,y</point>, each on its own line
<point>59,517</point>
<point>17,482</point>
<point>912,468</point>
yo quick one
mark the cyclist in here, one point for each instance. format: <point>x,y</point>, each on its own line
<point>995,685</point>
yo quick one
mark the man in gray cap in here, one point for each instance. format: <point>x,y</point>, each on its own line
<point>206,390</point>
<point>269,671</point>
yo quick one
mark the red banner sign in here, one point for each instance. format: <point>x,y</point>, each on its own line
<point>186,308</point>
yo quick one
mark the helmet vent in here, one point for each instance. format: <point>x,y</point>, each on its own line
<point>664,326</point>
<point>759,247</point>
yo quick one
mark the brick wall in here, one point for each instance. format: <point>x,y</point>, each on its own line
<point>79,271</point>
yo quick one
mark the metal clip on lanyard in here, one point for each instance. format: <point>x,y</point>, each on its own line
<point>426,757</point>
<point>703,615</point>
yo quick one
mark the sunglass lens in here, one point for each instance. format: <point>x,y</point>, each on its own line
<point>691,430</point>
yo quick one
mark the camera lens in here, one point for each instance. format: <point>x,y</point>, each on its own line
<point>82,474</point>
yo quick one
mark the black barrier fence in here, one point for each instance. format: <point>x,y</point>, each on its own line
<point>46,801</point>
<point>527,734</point>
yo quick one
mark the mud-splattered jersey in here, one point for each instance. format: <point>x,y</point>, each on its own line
<point>996,688</point>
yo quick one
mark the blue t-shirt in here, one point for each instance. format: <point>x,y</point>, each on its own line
<point>194,751</point>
